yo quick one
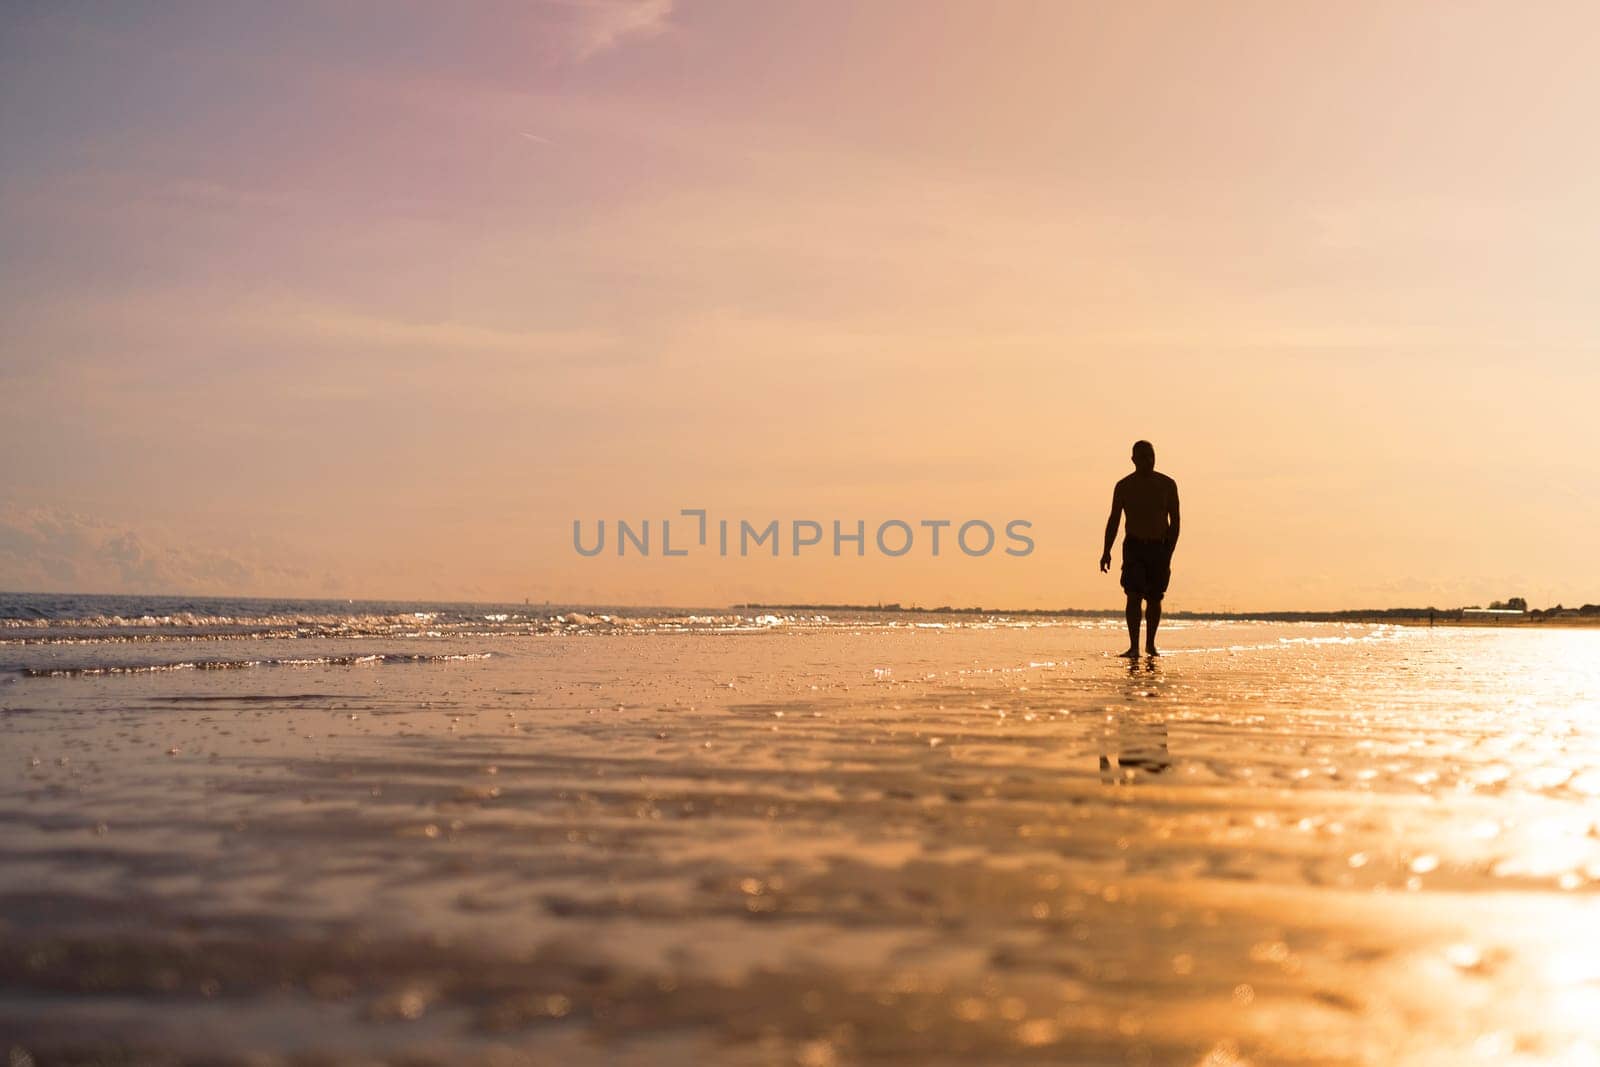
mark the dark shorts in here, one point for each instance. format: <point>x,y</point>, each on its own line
<point>1146,568</point>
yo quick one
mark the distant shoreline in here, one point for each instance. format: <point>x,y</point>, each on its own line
<point>1404,616</point>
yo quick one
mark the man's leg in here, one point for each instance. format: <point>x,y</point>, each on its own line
<point>1152,619</point>
<point>1133,627</point>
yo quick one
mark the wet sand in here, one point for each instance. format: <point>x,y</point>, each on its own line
<point>884,844</point>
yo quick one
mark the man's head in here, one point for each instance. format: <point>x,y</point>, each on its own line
<point>1144,456</point>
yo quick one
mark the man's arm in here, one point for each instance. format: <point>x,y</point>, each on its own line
<point>1172,517</point>
<point>1111,527</point>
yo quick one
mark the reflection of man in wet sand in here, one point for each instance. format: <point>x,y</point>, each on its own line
<point>1136,735</point>
<point>1150,500</point>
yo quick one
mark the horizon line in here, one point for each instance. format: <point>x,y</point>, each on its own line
<point>882,606</point>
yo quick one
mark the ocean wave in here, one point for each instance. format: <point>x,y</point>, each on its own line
<point>190,627</point>
<point>366,659</point>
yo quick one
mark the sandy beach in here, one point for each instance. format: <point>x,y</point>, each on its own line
<point>769,840</point>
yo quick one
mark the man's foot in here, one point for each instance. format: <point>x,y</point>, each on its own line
<point>1132,653</point>
<point>1151,652</point>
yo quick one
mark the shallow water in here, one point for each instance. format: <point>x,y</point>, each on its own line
<point>802,841</point>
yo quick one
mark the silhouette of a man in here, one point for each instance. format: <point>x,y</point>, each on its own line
<point>1150,500</point>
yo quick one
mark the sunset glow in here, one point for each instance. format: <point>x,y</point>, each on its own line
<point>376,300</point>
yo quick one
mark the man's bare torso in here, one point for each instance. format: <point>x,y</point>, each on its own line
<point>1147,500</point>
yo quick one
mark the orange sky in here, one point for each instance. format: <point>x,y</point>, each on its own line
<point>368,299</point>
